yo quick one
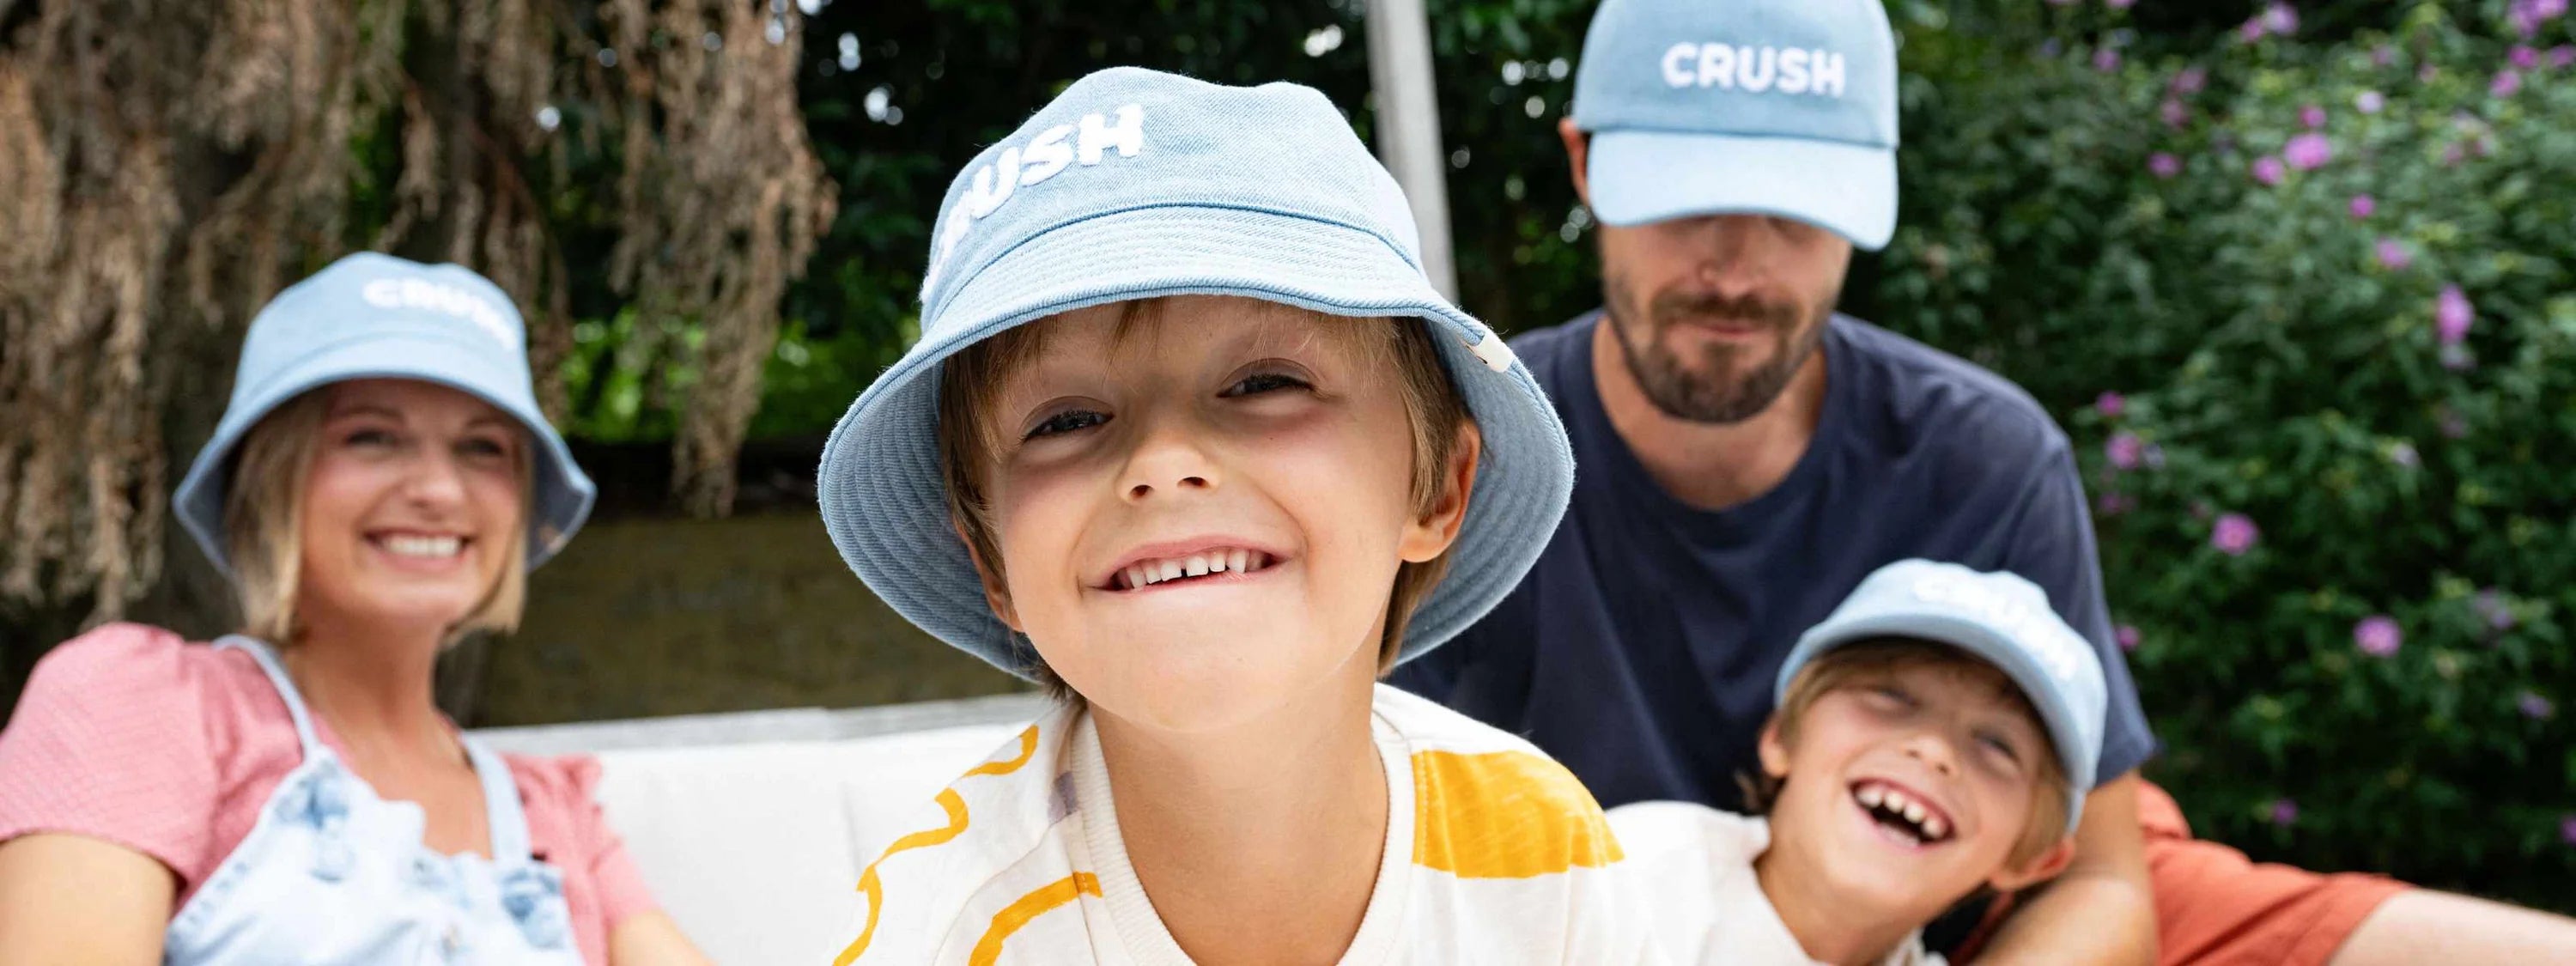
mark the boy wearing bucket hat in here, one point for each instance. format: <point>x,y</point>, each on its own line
<point>1933,737</point>
<point>379,487</point>
<point>1190,439</point>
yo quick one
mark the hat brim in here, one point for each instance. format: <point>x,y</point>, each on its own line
<point>563,493</point>
<point>1636,177</point>
<point>2078,748</point>
<point>881,485</point>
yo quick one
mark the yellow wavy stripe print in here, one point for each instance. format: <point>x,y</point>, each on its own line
<point>949,802</point>
<point>1505,815</point>
<point>1037,903</point>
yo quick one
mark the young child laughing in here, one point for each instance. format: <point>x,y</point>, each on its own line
<point>1190,440</point>
<point>1933,736</point>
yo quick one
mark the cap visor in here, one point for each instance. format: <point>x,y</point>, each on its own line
<point>563,493</point>
<point>882,484</point>
<point>1637,177</point>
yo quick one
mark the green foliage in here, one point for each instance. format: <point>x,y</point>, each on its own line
<point>2267,361</point>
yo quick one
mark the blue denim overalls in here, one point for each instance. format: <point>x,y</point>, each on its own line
<point>332,874</point>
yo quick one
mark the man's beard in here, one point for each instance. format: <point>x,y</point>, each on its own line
<point>1714,392</point>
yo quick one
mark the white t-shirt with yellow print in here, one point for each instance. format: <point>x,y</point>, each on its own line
<point>1494,854</point>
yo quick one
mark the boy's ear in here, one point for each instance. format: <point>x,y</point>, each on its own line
<point>2041,868</point>
<point>996,595</point>
<point>1578,150</point>
<point>1773,751</point>
<point>1429,537</point>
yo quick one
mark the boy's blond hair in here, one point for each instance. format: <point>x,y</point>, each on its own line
<point>264,527</point>
<point>1879,657</point>
<point>971,380</point>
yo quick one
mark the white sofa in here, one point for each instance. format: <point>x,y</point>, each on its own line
<point>752,828</point>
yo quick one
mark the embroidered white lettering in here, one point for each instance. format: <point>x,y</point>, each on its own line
<point>1828,72</point>
<point>1717,65</point>
<point>413,293</point>
<point>993,184</point>
<point>1754,67</point>
<point>1128,137</point>
<point>1793,71</point>
<point>1677,64</point>
<point>1047,155</point>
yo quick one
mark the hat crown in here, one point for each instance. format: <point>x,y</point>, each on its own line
<point>1813,69</point>
<point>2001,600</point>
<point>368,294</point>
<point>1128,138</point>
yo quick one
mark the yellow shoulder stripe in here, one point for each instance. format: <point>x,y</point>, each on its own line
<point>1037,903</point>
<point>1505,815</point>
<point>949,802</point>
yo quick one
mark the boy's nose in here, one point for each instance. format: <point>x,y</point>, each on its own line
<point>1933,751</point>
<point>1167,460</point>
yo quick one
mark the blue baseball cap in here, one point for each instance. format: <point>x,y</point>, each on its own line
<point>2001,619</point>
<point>1773,107</point>
<point>1135,184</point>
<point>371,316</point>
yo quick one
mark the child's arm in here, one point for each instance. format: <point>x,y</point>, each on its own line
<point>2101,910</point>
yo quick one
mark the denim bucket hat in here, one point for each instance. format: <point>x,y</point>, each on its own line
<point>2000,618</point>
<point>1135,184</point>
<point>1773,107</point>
<point>371,316</point>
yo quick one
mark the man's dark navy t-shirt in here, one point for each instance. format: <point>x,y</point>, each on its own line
<point>1640,651</point>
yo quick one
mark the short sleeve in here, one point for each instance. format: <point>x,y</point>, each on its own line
<point>110,740</point>
<point>2051,543</point>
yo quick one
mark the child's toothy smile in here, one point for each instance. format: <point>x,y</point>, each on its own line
<point>1168,564</point>
<point>1902,812</point>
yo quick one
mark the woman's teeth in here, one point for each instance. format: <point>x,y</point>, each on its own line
<point>1153,572</point>
<point>422,546</point>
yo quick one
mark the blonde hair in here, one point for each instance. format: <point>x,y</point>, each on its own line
<point>264,527</point>
<point>971,382</point>
<point>1871,659</point>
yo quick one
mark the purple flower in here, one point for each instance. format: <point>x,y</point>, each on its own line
<point>2106,60</point>
<point>2523,19</point>
<point>2562,56</point>
<point>2233,534</point>
<point>2312,116</point>
<point>2251,31</point>
<point>2548,9</point>
<point>2190,80</point>
<point>2507,83</point>
<point>2163,165</point>
<point>2284,812</point>
<point>2490,606</point>
<point>2123,450</point>
<point>2383,55</point>
<point>2308,152</point>
<point>2377,635</point>
<point>2535,707</point>
<point>2403,454</point>
<point>2268,170</point>
<point>2364,205</point>
<point>2369,102</point>
<point>2118,4</point>
<point>2173,113</point>
<point>2524,57</point>
<point>2127,636</point>
<point>2280,19</point>
<point>2452,314</point>
<point>2567,830</point>
<point>2393,255</point>
<point>2110,405</point>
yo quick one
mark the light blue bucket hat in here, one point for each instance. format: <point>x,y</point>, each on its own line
<point>2001,619</point>
<point>1773,107</point>
<point>1135,184</point>
<point>371,316</point>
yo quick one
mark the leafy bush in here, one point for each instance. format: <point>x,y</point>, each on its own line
<point>2310,309</point>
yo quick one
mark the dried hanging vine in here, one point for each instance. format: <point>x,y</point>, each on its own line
<point>167,165</point>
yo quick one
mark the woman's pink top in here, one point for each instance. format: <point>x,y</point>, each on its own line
<point>132,735</point>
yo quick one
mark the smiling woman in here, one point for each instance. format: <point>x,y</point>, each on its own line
<point>379,487</point>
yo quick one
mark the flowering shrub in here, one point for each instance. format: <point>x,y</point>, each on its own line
<point>2309,308</point>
